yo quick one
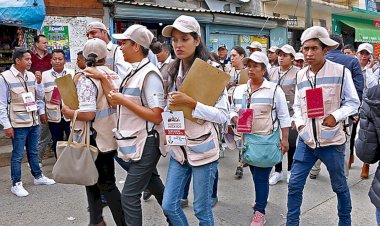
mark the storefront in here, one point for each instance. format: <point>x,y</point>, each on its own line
<point>19,22</point>
<point>218,27</point>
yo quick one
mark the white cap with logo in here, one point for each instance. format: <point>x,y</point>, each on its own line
<point>365,46</point>
<point>255,45</point>
<point>299,56</point>
<point>185,24</point>
<point>273,49</point>
<point>318,32</point>
<point>95,46</point>
<point>287,49</point>
<point>258,57</point>
<point>95,25</point>
<point>137,33</point>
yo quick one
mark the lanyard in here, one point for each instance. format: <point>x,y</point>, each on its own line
<point>236,75</point>
<point>125,80</point>
<point>282,78</point>
<point>246,100</point>
<point>313,85</point>
<point>23,82</point>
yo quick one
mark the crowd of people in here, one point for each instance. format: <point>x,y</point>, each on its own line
<point>305,104</point>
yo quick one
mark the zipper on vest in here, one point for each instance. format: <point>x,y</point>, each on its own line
<point>315,132</point>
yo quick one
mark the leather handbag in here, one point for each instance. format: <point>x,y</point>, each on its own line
<point>76,161</point>
<point>262,150</point>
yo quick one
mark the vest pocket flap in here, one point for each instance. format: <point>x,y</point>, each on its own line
<point>51,106</point>
<point>18,108</point>
<point>48,89</point>
<point>18,90</point>
<point>130,145</point>
<point>329,132</point>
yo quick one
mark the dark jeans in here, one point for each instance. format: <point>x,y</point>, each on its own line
<point>107,186</point>
<point>260,178</point>
<point>214,187</point>
<point>352,140</point>
<point>293,134</point>
<point>142,174</point>
<point>57,130</point>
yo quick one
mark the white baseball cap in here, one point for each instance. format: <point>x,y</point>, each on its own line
<point>365,46</point>
<point>95,46</point>
<point>273,49</point>
<point>95,25</point>
<point>185,24</point>
<point>299,56</point>
<point>320,33</point>
<point>137,33</point>
<point>287,49</point>
<point>255,45</point>
<point>258,57</point>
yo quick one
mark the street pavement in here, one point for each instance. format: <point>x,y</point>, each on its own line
<point>66,204</point>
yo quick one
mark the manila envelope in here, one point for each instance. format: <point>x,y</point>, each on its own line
<point>204,83</point>
<point>68,91</point>
<point>243,78</point>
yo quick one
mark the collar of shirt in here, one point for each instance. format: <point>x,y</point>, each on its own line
<point>38,55</point>
<point>56,74</point>
<point>167,61</point>
<point>16,73</point>
<point>264,85</point>
<point>109,46</point>
<point>137,65</point>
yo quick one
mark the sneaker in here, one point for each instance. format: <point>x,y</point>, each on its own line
<point>258,219</point>
<point>239,172</point>
<point>43,181</point>
<point>275,178</point>
<point>19,190</point>
<point>146,195</point>
<point>184,203</point>
<point>214,201</point>
<point>288,177</point>
<point>312,176</point>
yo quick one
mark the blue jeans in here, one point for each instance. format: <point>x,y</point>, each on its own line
<point>203,178</point>
<point>260,178</point>
<point>304,159</point>
<point>214,187</point>
<point>25,137</point>
<point>378,217</point>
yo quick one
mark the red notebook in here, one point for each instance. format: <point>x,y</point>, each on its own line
<point>245,121</point>
<point>56,97</point>
<point>314,103</point>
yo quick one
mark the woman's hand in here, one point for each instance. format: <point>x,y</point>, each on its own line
<point>284,146</point>
<point>117,98</point>
<point>178,98</point>
<point>67,112</point>
<point>94,73</point>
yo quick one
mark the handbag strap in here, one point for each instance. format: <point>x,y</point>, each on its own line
<point>88,135</point>
<point>70,140</point>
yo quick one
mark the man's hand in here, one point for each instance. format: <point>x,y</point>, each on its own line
<point>43,119</point>
<point>329,121</point>
<point>117,98</point>
<point>9,133</point>
<point>294,127</point>
<point>301,127</point>
<point>284,146</point>
<point>38,76</point>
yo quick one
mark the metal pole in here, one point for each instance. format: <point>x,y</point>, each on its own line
<point>308,16</point>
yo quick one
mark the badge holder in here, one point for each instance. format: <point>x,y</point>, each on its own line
<point>314,103</point>
<point>29,101</point>
<point>174,127</point>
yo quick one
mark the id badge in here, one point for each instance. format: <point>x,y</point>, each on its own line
<point>174,127</point>
<point>314,103</point>
<point>56,97</point>
<point>29,101</point>
<point>245,121</point>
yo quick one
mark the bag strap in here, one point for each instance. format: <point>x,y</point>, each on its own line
<point>70,140</point>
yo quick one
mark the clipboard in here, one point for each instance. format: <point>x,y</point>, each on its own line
<point>243,78</point>
<point>68,91</point>
<point>204,83</point>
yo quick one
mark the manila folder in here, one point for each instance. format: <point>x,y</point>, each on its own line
<point>68,91</point>
<point>204,83</point>
<point>243,78</point>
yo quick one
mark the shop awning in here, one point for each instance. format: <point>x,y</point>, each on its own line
<point>22,13</point>
<point>364,32</point>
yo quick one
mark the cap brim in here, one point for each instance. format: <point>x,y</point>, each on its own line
<point>119,36</point>
<point>167,31</point>
<point>331,44</point>
<point>369,51</point>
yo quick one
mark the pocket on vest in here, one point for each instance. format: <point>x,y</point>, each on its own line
<point>130,145</point>
<point>21,116</point>
<point>53,112</point>
<point>331,134</point>
<point>203,146</point>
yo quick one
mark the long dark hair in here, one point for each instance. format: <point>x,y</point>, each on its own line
<point>200,52</point>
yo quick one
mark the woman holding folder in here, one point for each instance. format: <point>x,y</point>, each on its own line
<point>259,110</point>
<point>201,153</point>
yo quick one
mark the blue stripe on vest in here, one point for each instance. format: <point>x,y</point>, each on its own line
<point>19,84</point>
<point>261,101</point>
<point>23,117</point>
<point>204,147</point>
<point>104,113</point>
<point>321,81</point>
<point>288,82</point>
<point>128,149</point>
<point>131,91</point>
<point>330,134</point>
<point>305,136</point>
<point>47,84</point>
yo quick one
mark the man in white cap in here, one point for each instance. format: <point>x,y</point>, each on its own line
<point>299,60</point>
<point>272,56</point>
<point>325,95</point>
<point>370,70</point>
<point>285,76</point>
<point>255,46</point>
<point>115,60</point>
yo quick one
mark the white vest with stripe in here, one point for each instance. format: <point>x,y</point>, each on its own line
<point>110,59</point>
<point>132,127</point>
<point>330,79</point>
<point>18,115</point>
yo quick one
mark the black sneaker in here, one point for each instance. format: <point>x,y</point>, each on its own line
<point>312,176</point>
<point>239,172</point>
<point>146,195</point>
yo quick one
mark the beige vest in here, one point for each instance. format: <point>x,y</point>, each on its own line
<point>132,127</point>
<point>262,103</point>
<point>287,82</point>
<point>330,78</point>
<point>18,115</point>
<point>110,59</point>
<point>104,121</point>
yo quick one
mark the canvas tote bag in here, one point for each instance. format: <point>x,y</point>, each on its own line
<point>76,161</point>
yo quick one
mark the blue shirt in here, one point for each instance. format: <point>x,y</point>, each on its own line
<point>351,64</point>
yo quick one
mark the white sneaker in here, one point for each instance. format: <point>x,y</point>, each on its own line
<point>288,177</point>
<point>275,178</point>
<point>43,181</point>
<point>19,190</point>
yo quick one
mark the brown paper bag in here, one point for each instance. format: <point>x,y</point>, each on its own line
<point>68,91</point>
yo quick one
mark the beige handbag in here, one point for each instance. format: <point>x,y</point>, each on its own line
<point>76,161</point>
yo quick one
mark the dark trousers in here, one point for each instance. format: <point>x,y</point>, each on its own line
<point>142,174</point>
<point>107,186</point>
<point>353,135</point>
<point>57,130</point>
<point>293,134</point>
